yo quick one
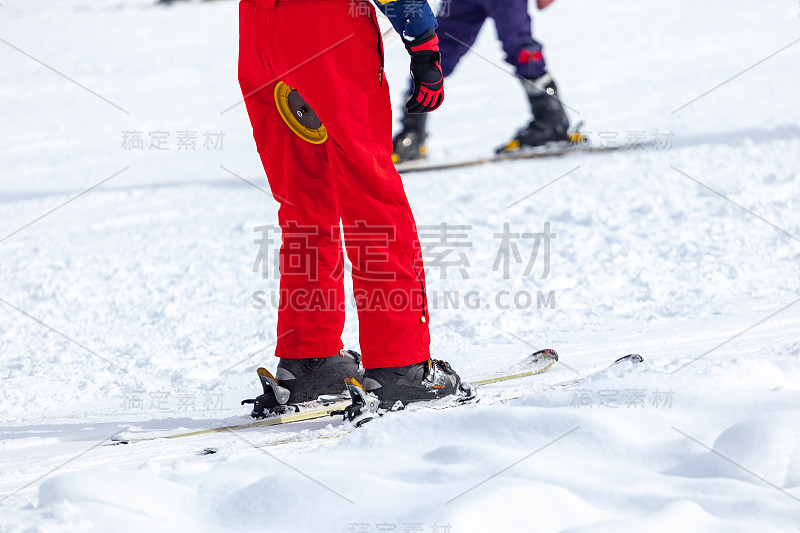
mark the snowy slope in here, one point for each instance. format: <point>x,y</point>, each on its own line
<point>127,283</point>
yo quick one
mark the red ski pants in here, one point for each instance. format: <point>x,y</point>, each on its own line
<point>333,54</point>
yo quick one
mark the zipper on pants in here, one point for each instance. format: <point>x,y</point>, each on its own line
<point>422,319</point>
<point>380,47</point>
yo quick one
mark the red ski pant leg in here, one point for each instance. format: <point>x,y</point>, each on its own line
<point>331,53</point>
<point>311,308</point>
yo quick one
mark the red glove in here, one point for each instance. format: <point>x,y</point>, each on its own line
<point>426,73</point>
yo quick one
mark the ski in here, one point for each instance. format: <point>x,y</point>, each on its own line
<point>576,143</point>
<point>310,414</point>
<point>537,363</point>
<point>557,151</point>
<point>439,405</point>
<point>364,406</point>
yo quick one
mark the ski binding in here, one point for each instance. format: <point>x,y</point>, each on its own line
<point>273,401</point>
<point>364,406</point>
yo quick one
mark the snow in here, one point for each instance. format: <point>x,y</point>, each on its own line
<point>128,309</point>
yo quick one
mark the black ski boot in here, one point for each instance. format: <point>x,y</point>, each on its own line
<point>428,380</point>
<point>394,388</point>
<point>549,122</point>
<point>303,380</point>
<point>409,144</point>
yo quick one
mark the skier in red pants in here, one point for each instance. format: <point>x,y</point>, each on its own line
<point>311,72</point>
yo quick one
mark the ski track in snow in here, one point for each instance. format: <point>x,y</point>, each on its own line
<point>151,273</point>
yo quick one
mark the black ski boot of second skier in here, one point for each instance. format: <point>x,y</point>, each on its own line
<point>395,387</point>
<point>409,144</point>
<point>549,124</point>
<point>297,381</point>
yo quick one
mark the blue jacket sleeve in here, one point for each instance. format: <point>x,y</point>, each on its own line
<point>410,18</point>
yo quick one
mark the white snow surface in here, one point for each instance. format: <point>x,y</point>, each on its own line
<point>126,304</point>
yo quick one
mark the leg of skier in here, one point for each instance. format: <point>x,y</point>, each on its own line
<point>459,24</point>
<point>311,305</point>
<point>349,176</point>
<point>524,53</point>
